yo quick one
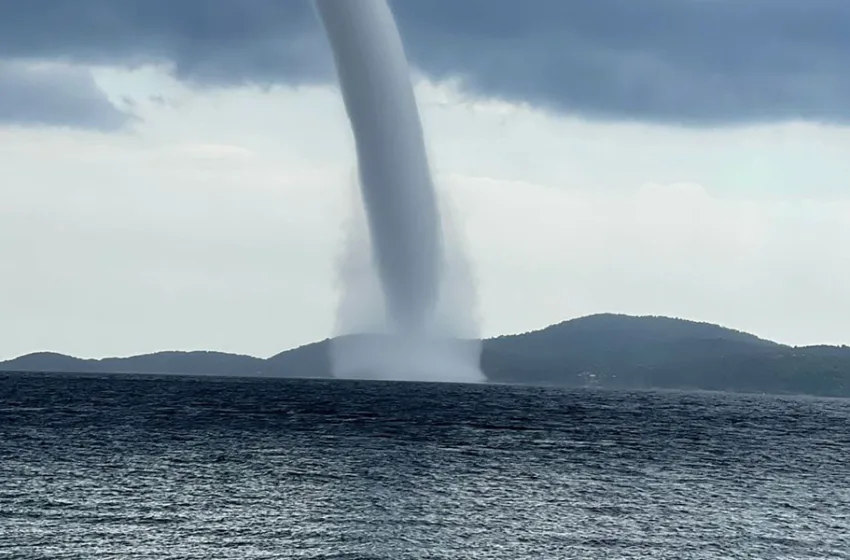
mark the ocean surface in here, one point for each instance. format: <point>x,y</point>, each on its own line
<point>175,467</point>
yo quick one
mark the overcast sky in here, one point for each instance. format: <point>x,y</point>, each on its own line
<point>175,175</point>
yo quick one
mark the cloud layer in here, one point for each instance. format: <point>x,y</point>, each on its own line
<point>693,62</point>
<point>55,95</point>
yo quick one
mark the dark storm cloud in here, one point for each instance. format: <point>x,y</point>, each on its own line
<point>212,41</point>
<point>686,61</point>
<point>56,96</point>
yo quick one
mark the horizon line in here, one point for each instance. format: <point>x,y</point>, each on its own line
<point>494,337</point>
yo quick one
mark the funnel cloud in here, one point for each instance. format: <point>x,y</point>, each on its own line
<point>406,310</point>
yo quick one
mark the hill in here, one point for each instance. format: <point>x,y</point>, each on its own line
<point>311,360</point>
<point>190,363</point>
<point>618,351</point>
<point>606,350</point>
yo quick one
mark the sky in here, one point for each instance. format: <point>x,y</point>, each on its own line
<point>177,175</point>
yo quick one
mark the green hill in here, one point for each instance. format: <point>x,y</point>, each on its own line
<point>606,350</point>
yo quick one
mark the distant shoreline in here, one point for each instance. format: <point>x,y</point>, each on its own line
<point>603,351</point>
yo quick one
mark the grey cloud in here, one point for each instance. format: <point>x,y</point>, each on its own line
<point>212,41</point>
<point>699,62</point>
<point>55,95</point>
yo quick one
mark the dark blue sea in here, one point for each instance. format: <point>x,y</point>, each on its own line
<point>175,467</point>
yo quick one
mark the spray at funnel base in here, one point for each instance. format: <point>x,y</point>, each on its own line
<point>400,314</point>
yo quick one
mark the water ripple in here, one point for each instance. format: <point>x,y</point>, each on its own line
<point>141,467</point>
